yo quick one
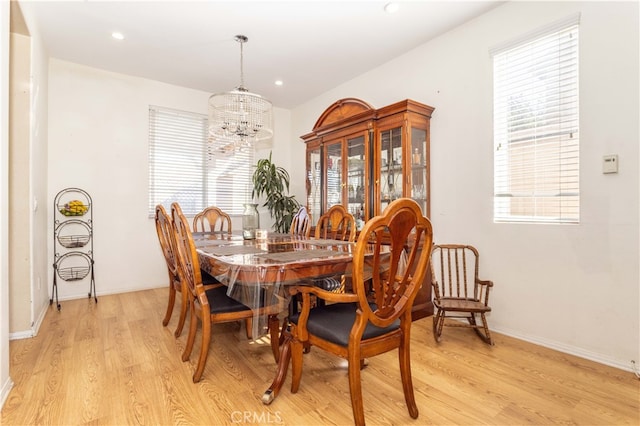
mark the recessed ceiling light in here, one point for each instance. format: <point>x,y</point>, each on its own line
<point>391,7</point>
<point>117,35</point>
<point>279,82</point>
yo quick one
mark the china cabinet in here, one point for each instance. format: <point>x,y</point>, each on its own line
<point>364,158</point>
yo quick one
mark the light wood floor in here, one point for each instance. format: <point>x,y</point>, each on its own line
<point>113,363</point>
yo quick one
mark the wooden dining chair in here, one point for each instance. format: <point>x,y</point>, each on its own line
<point>211,219</point>
<point>211,305</point>
<point>301,223</point>
<point>458,292</point>
<point>354,327</point>
<point>336,224</point>
<point>164,229</point>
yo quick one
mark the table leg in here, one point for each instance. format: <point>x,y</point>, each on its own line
<point>281,374</point>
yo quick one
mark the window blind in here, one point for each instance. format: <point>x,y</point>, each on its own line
<point>536,130</point>
<point>183,166</point>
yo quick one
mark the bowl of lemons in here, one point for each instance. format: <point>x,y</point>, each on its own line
<point>74,208</point>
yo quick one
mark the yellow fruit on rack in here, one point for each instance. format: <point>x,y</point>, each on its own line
<point>74,208</point>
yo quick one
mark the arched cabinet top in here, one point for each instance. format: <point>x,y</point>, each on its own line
<point>342,109</point>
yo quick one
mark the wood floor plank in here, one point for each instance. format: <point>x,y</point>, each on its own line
<point>113,363</point>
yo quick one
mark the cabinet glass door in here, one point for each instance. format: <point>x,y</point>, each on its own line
<point>390,157</point>
<point>314,183</point>
<point>356,179</point>
<point>419,175</point>
<point>334,181</point>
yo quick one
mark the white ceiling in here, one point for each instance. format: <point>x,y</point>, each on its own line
<point>312,46</point>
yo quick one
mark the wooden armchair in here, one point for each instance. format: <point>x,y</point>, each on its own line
<point>210,305</point>
<point>355,328</point>
<point>458,292</point>
<point>301,223</point>
<point>211,219</point>
<point>336,224</point>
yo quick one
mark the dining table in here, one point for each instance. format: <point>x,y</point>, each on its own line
<point>258,271</point>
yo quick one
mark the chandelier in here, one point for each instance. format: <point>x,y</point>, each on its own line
<point>239,118</point>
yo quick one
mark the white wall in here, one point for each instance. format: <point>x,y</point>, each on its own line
<point>32,198</point>
<point>98,141</point>
<point>19,182</point>
<point>38,166</point>
<point>573,288</point>
<point>5,380</point>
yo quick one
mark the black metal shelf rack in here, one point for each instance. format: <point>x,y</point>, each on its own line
<point>73,240</point>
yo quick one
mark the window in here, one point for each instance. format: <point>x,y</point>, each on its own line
<point>182,166</point>
<point>536,132</point>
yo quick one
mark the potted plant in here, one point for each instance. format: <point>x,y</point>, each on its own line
<point>272,182</point>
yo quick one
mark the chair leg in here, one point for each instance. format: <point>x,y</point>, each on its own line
<point>274,331</point>
<point>204,349</point>
<point>183,314</point>
<point>472,320</point>
<point>172,301</point>
<point>486,337</point>
<point>404,355</point>
<point>285,326</point>
<point>248,324</point>
<point>191,337</point>
<point>355,387</point>
<point>438,322</point>
<point>296,363</point>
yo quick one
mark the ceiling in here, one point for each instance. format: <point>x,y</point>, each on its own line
<point>312,46</point>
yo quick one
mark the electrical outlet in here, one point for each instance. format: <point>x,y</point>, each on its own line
<point>610,164</point>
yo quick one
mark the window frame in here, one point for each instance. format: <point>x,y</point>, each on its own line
<point>544,192</point>
<point>185,166</point>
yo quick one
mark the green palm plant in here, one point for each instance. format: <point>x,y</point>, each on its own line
<point>272,182</point>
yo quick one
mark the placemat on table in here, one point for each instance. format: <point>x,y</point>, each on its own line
<point>320,242</point>
<point>293,256</point>
<point>232,250</point>
<point>207,243</point>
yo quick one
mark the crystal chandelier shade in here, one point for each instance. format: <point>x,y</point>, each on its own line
<point>238,118</point>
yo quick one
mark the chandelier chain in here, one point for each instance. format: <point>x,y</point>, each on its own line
<point>242,64</point>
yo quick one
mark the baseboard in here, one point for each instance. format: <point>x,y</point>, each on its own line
<point>40,319</point>
<point>4,391</point>
<point>568,349</point>
<point>25,334</point>
<point>108,293</point>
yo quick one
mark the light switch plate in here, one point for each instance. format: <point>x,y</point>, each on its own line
<point>610,164</point>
